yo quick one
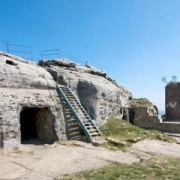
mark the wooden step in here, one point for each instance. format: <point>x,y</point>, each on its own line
<point>95,134</point>
<point>90,126</point>
<point>93,130</point>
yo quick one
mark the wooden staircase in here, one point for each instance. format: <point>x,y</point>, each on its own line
<point>76,115</point>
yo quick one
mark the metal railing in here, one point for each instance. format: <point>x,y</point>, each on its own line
<point>75,113</point>
<point>26,52</point>
<point>61,93</point>
<point>20,50</point>
<point>51,52</point>
<point>58,54</point>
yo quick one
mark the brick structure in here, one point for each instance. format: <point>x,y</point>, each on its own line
<point>172,96</point>
<point>143,116</point>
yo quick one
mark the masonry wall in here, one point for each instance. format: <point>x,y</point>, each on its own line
<point>144,120</point>
<point>173,101</point>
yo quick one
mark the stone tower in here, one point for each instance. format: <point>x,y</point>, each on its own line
<point>172,98</point>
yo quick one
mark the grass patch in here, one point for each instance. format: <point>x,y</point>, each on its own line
<point>121,134</point>
<point>145,170</point>
<point>142,102</point>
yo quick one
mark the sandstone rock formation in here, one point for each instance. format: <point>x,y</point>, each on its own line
<point>28,93</point>
<point>99,94</point>
<point>30,105</point>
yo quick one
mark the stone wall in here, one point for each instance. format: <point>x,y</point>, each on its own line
<point>173,101</point>
<point>146,120</point>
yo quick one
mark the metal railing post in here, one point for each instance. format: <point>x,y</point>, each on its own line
<point>13,48</point>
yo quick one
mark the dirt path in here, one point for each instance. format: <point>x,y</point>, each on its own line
<point>51,161</point>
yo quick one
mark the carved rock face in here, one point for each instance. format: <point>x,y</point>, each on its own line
<point>99,94</point>
<point>24,85</point>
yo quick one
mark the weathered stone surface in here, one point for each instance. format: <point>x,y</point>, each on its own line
<point>25,85</point>
<point>146,114</point>
<point>52,161</point>
<point>158,147</point>
<point>173,101</point>
<point>19,73</point>
<point>143,119</point>
<point>152,109</point>
<point>99,94</point>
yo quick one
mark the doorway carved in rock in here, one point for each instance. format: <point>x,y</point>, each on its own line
<point>37,126</point>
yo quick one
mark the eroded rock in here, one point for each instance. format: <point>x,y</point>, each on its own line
<point>99,94</point>
<point>29,104</point>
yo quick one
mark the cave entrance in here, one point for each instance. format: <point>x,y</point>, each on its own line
<point>37,126</point>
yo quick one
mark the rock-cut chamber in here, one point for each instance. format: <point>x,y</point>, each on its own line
<point>36,125</point>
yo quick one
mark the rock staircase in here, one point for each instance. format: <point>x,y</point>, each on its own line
<point>76,115</point>
<point>73,129</point>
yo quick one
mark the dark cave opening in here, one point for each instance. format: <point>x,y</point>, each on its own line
<point>37,126</point>
<point>28,119</point>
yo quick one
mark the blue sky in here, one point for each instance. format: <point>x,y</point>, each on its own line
<point>135,41</point>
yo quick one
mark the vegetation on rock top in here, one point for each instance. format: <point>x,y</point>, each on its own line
<point>142,102</point>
